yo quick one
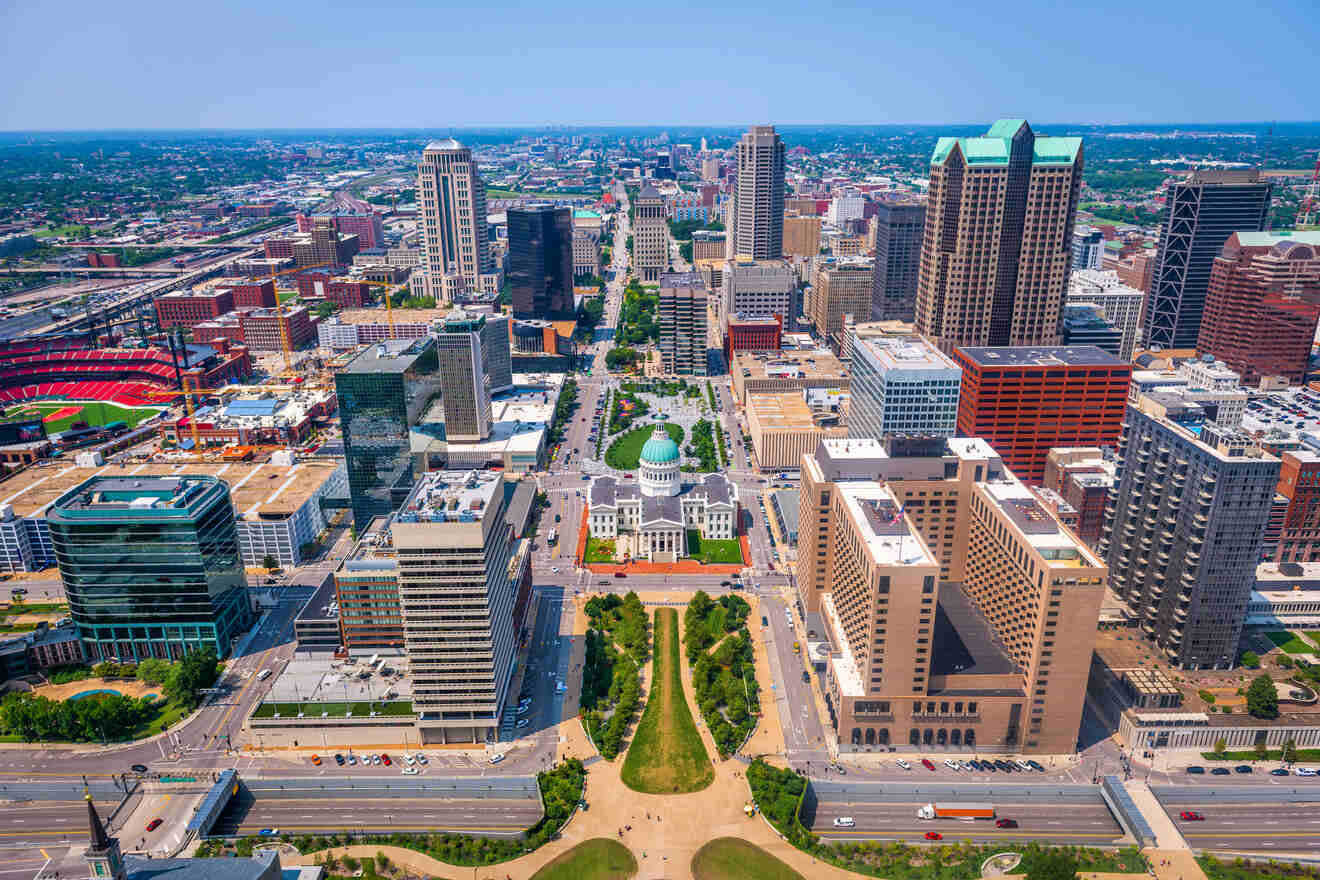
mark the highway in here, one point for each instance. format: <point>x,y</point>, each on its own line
<point>489,817</point>
<point>1284,817</point>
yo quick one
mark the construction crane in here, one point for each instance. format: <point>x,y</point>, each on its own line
<point>187,392</point>
<point>1310,198</point>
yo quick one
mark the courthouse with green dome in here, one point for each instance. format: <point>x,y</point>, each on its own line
<point>651,517</point>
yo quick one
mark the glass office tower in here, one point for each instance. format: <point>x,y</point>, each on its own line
<point>383,391</point>
<point>541,262</point>
<point>151,566</point>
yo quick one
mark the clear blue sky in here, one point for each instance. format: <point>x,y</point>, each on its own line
<point>79,64</point>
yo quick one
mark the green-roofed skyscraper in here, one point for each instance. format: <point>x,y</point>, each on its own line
<point>998,238</point>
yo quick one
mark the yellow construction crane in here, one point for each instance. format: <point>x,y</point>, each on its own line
<point>188,408</point>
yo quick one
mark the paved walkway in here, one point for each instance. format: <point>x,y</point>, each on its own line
<point>1170,858</point>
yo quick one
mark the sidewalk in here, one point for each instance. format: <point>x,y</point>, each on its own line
<point>1171,858</point>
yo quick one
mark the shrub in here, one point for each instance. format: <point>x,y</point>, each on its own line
<point>1206,695</point>
<point>1251,659</point>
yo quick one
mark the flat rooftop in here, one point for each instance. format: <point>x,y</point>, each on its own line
<point>1040,356</point>
<point>401,316</point>
<point>258,491</point>
<point>811,363</point>
<point>391,356</point>
<point>321,679</point>
<point>451,496</point>
<point>965,642</point>
<point>904,353</point>
<point>882,525</point>
<point>783,410</point>
<point>122,493</point>
<point>1040,528</point>
<point>322,605</point>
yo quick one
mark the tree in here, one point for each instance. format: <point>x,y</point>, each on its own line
<point>196,671</point>
<point>325,309</point>
<point>1251,659</point>
<point>1221,746</point>
<point>270,563</point>
<point>1050,865</point>
<point>1262,698</point>
<point>1289,750</point>
<point>1262,751</point>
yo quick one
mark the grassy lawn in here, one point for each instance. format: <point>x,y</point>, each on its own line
<point>710,550</point>
<point>625,451</point>
<point>285,295</point>
<point>1289,642</point>
<point>597,859</point>
<point>93,413</point>
<point>729,858</point>
<point>599,550</point>
<point>171,714</point>
<point>1313,636</point>
<point>66,230</point>
<point>334,710</point>
<point>666,755</point>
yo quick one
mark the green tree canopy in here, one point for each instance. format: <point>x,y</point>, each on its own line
<point>1262,698</point>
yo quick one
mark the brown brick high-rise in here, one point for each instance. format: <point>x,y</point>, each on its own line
<point>998,240</point>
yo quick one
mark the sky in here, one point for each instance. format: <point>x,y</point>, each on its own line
<point>91,64</point>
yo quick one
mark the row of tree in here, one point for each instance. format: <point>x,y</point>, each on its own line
<point>618,643</point>
<point>724,679</point>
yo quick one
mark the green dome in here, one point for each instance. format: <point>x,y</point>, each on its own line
<point>660,449</point>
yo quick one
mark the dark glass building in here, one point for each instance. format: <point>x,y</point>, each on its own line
<point>541,262</point>
<point>151,565</point>
<point>383,392</point>
<point>899,227</point>
<point>1200,213</point>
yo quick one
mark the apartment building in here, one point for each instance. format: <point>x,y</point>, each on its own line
<point>708,244</point>
<point>187,308</point>
<point>840,287</point>
<point>466,399</point>
<point>683,328</point>
<point>902,385</point>
<point>1298,538</point>
<point>367,590</point>
<point>541,262</point>
<point>1184,527</point>
<point>998,237</point>
<point>801,236</point>
<point>650,234</point>
<point>1082,476</point>
<point>986,648</point>
<point>1088,247</point>
<point>459,579</point>
<point>1025,401</point>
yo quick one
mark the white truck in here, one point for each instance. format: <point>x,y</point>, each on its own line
<point>956,811</point>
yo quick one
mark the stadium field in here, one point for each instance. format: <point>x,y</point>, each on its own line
<point>58,415</point>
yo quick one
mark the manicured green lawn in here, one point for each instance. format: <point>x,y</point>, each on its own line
<point>334,710</point>
<point>729,858</point>
<point>666,755</point>
<point>171,714</point>
<point>597,859</point>
<point>710,550</point>
<point>94,413</point>
<point>1313,636</point>
<point>599,550</point>
<point>68,229</point>
<point>624,452</point>
<point>1289,642</point>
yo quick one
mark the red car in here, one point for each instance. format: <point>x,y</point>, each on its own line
<point>153,824</point>
<point>1006,823</point>
<point>385,759</point>
<point>1189,816</point>
<point>927,764</point>
<point>934,835</point>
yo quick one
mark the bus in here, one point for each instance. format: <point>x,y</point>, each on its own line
<point>554,536</point>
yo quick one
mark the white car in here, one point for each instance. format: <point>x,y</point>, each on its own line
<point>495,759</point>
<point>950,763</point>
<point>845,822</point>
<point>421,759</point>
<point>1023,766</point>
<point>904,764</point>
<point>409,771</point>
<point>1305,771</point>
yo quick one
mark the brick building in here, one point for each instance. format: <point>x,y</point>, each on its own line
<point>260,329</point>
<point>1082,476</point>
<point>368,227</point>
<point>1262,304</point>
<point>745,333</point>
<point>347,293</point>
<point>1299,483</point>
<point>254,294</point>
<point>322,245</point>
<point>188,308</point>
<point>1025,400</point>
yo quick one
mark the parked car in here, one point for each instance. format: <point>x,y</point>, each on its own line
<point>925,762</point>
<point>1278,771</point>
<point>904,764</point>
<point>1196,770</point>
<point>410,771</point>
<point>523,722</point>
<point>1006,823</point>
<point>352,760</point>
<point>1220,771</point>
<point>806,677</point>
<point>385,759</point>
<point>316,760</point>
<point>1037,766</point>
<point>339,759</point>
<point>495,759</point>
<point>269,832</point>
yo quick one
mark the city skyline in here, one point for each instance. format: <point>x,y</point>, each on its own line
<point>959,63</point>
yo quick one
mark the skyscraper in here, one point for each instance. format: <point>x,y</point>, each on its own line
<point>1200,213</point>
<point>1263,303</point>
<point>466,389</point>
<point>151,565</point>
<point>998,237</point>
<point>898,231</point>
<point>458,583</point>
<point>683,323</point>
<point>1121,304</point>
<point>456,255</point>
<point>1088,248</point>
<point>382,393</point>
<point>902,386</point>
<point>1184,528</point>
<point>756,206</point>
<point>541,262</point>
<point>650,234</point>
